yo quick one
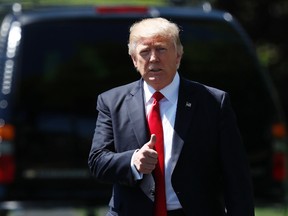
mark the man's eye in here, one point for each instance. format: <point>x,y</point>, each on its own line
<point>144,52</point>
<point>161,49</point>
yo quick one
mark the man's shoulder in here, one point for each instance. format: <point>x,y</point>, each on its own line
<point>201,88</point>
<point>203,94</point>
<point>123,89</point>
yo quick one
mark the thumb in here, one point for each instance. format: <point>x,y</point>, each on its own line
<point>152,141</point>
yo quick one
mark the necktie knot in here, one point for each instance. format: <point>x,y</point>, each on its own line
<point>157,96</point>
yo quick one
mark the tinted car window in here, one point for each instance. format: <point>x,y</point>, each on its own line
<point>64,66</point>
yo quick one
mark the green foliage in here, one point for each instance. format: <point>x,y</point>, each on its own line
<point>268,54</point>
<point>270,211</point>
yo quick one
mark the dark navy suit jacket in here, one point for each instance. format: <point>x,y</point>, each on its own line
<point>210,169</point>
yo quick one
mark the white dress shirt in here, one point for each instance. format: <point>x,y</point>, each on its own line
<point>168,107</point>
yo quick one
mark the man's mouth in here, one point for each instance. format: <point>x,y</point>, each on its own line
<point>154,73</point>
<point>154,69</point>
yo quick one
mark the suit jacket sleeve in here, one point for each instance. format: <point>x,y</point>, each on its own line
<point>238,191</point>
<point>105,162</point>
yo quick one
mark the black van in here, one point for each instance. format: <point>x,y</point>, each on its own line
<point>54,61</point>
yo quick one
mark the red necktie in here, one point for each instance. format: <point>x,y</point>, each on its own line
<point>155,126</point>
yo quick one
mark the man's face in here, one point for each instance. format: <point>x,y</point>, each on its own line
<point>157,60</point>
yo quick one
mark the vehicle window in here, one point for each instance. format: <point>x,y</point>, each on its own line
<point>65,65</point>
<point>215,55</point>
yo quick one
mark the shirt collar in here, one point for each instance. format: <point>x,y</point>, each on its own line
<point>170,92</point>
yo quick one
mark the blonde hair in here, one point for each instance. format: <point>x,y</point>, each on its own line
<point>152,27</point>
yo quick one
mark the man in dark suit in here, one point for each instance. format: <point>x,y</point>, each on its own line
<point>206,170</point>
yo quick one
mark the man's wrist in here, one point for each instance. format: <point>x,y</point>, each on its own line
<point>137,175</point>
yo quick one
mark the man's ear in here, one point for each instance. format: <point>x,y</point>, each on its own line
<point>134,60</point>
<point>178,59</point>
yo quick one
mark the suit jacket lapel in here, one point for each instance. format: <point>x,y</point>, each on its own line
<point>137,115</point>
<point>185,107</point>
<point>136,112</point>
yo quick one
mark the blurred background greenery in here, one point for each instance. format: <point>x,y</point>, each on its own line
<point>270,211</point>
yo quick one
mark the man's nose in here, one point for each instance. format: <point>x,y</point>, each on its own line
<point>154,56</point>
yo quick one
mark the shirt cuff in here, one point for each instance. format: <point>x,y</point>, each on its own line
<point>137,175</point>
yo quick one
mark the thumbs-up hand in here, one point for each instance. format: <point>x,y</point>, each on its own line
<point>145,159</point>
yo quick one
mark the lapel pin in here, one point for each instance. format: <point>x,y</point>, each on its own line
<point>188,104</point>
